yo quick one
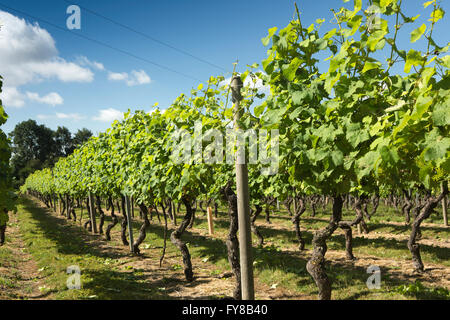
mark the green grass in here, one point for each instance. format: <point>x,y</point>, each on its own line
<point>55,246</point>
<point>105,275</point>
<point>7,261</point>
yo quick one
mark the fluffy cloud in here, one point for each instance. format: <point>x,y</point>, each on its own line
<point>135,78</point>
<point>74,116</point>
<point>52,98</point>
<point>29,55</point>
<point>109,115</point>
<point>59,115</point>
<point>115,76</point>
<point>12,97</point>
<point>84,61</point>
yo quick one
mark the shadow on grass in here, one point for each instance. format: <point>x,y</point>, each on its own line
<point>403,229</point>
<point>69,238</point>
<point>293,265</point>
<point>72,239</point>
<point>268,259</point>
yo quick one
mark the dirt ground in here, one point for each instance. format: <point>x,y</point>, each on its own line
<point>21,269</point>
<point>206,285</point>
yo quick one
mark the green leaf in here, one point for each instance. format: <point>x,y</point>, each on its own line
<point>421,106</point>
<point>385,3</point>
<point>259,109</point>
<point>369,66</point>
<point>357,8</point>
<point>331,81</point>
<point>417,33</point>
<point>413,58</point>
<point>441,115</point>
<point>290,71</point>
<point>329,34</point>
<point>438,150</point>
<point>265,41</point>
<point>437,15</point>
<point>426,4</point>
<point>337,157</point>
<point>446,61</point>
<point>274,116</point>
<point>389,155</point>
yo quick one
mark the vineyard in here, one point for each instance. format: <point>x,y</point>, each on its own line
<point>355,178</point>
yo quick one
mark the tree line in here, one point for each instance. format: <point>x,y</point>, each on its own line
<point>35,147</point>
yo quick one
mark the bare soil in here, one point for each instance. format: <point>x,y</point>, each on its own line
<point>22,270</point>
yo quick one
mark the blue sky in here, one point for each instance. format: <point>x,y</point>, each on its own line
<point>71,82</point>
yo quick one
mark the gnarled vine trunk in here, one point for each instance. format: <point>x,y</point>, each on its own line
<point>175,237</point>
<point>425,212</point>
<point>114,220</point>
<point>143,229</point>
<point>347,227</point>
<point>255,230</point>
<point>316,264</point>
<point>406,208</point>
<point>123,233</point>
<point>375,203</point>
<point>299,210</point>
<point>88,225</point>
<point>232,240</point>
<point>101,214</point>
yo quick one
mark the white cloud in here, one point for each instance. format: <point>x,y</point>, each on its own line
<point>138,77</point>
<point>74,116</point>
<point>135,78</point>
<point>59,115</point>
<point>109,115</point>
<point>11,97</point>
<point>84,61</point>
<point>29,55</point>
<point>117,76</point>
<point>52,98</point>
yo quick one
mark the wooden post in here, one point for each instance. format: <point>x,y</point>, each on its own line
<point>81,211</point>
<point>444,206</point>
<point>243,204</point>
<point>92,210</point>
<point>294,202</point>
<point>130,227</point>
<point>132,206</point>
<point>67,206</point>
<point>174,213</point>
<point>210,221</point>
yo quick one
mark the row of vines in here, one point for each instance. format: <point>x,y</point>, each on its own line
<point>370,121</point>
<point>7,196</point>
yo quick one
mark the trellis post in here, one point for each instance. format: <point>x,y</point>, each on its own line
<point>245,236</point>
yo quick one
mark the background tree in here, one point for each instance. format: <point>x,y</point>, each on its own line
<point>63,142</point>
<point>36,147</point>
<point>81,136</point>
<point>33,148</point>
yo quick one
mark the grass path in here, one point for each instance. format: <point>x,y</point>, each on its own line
<point>108,271</point>
<point>52,243</point>
<point>19,273</point>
